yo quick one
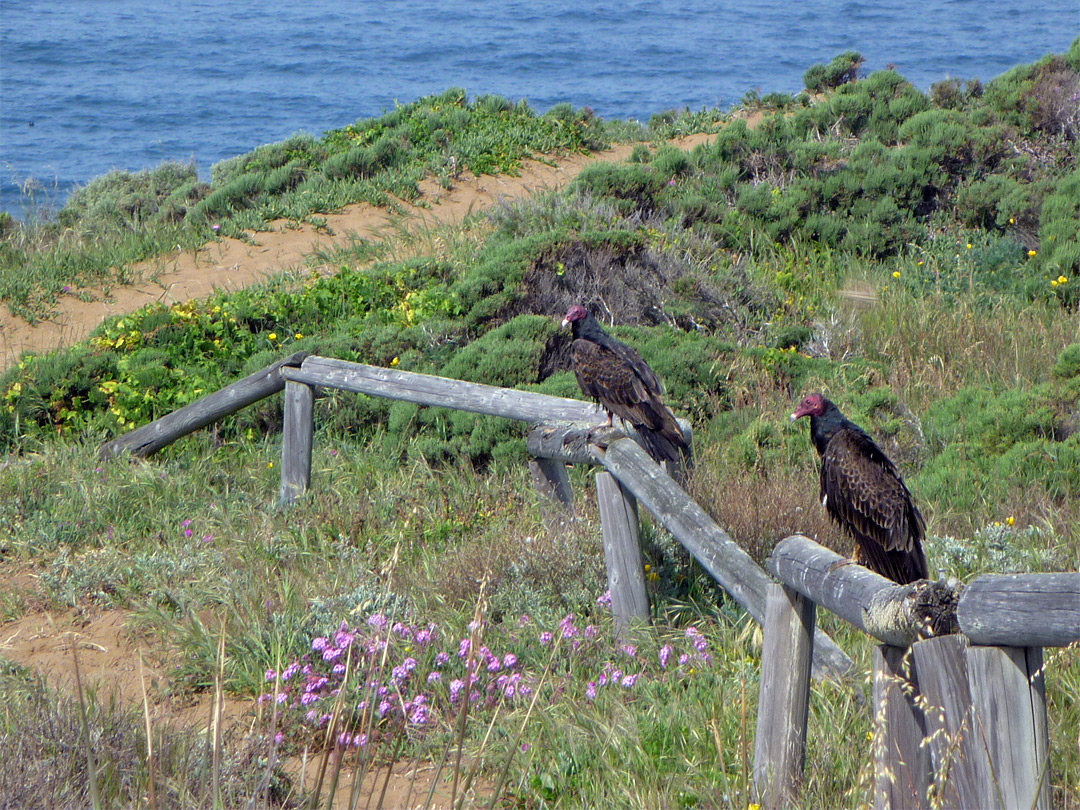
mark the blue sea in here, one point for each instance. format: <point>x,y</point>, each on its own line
<point>88,86</point>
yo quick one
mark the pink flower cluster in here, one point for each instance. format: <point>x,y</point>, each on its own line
<point>404,676</point>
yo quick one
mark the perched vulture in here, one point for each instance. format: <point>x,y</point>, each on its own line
<point>616,376</point>
<point>863,492</point>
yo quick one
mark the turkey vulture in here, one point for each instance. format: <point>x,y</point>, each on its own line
<point>616,376</point>
<point>863,492</point>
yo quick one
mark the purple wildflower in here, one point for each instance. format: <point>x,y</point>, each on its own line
<point>456,686</point>
<point>665,655</point>
<point>441,659</point>
<point>510,660</point>
<point>604,600</point>
<point>545,637</point>
<point>590,690</point>
<point>629,680</point>
<point>319,643</point>
<point>343,638</point>
<point>566,626</point>
<point>377,620</point>
<point>434,677</point>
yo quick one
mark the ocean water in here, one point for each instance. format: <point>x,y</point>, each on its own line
<point>95,85</point>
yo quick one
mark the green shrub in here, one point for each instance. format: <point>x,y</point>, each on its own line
<point>842,69</point>
<point>671,161</point>
<point>1059,233</point>
<point>301,149</point>
<point>1068,362</point>
<point>360,161</point>
<point>632,188</point>
<point>125,201</point>
<point>1039,98</point>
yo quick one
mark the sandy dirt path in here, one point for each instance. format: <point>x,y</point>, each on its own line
<point>231,263</point>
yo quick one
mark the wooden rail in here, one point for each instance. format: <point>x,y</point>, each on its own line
<point>148,439</point>
<point>957,725</point>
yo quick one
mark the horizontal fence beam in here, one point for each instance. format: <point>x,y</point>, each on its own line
<point>894,614</point>
<point>1021,610</point>
<point>148,439</point>
<point>574,443</point>
<point>710,545</point>
<point>427,389</point>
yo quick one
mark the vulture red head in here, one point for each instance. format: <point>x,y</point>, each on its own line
<point>575,313</point>
<point>813,405</point>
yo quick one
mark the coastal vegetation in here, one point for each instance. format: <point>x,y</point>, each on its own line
<point>915,255</point>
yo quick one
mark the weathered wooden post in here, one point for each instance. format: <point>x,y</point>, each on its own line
<point>622,553</point>
<point>896,615</point>
<point>552,484</point>
<point>1010,736</point>
<point>941,664</point>
<point>901,761</point>
<point>297,436</point>
<point>784,698</point>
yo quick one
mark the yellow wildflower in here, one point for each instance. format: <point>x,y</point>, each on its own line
<point>920,262</point>
<point>896,274</point>
<point>299,336</point>
<point>1033,253</point>
<point>270,465</point>
<point>272,336</point>
<point>394,362</point>
<point>969,245</point>
<point>1054,283</point>
<point>1012,220</point>
<point>1062,279</point>
<point>1010,520</point>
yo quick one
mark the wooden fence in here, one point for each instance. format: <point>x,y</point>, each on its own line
<point>960,717</point>
<point>564,431</point>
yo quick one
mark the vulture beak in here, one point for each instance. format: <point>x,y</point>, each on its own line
<point>565,323</point>
<point>794,417</point>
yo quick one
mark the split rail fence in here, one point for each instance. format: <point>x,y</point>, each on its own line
<point>959,694</point>
<point>960,718</point>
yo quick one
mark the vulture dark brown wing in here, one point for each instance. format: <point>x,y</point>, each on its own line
<point>864,493</point>
<point>608,377</point>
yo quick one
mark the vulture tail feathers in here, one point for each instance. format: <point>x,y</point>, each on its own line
<point>662,445</point>
<point>902,567</point>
